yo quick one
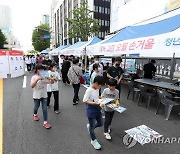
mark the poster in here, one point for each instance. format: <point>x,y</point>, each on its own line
<point>4,64</point>
<point>16,63</point>
<point>129,66</point>
<point>143,134</point>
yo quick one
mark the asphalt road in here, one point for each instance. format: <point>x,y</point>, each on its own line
<point>68,135</point>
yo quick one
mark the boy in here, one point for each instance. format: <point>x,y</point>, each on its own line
<point>110,92</point>
<point>93,109</point>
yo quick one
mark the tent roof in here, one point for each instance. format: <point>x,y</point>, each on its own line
<point>156,28</point>
<point>76,45</point>
<point>55,51</point>
<point>94,40</point>
<point>44,52</point>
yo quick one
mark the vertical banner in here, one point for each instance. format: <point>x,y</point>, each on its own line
<point>4,64</point>
<point>16,63</point>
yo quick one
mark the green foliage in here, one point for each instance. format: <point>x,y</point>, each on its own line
<point>2,40</point>
<point>83,24</point>
<point>38,40</point>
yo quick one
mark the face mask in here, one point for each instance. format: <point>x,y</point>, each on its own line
<point>117,65</point>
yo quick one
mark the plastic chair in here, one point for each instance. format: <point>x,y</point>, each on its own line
<point>146,94</point>
<point>167,101</point>
<point>132,89</point>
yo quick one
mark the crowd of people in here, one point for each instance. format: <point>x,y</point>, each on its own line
<point>45,83</point>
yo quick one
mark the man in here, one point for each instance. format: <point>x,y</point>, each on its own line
<point>96,61</point>
<point>65,68</point>
<point>46,62</point>
<point>116,72</point>
<point>149,69</point>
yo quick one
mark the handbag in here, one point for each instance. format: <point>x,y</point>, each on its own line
<point>81,79</point>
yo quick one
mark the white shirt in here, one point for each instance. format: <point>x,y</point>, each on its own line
<point>39,91</point>
<point>54,86</point>
<point>91,94</point>
<point>94,74</point>
<point>91,67</point>
<point>28,60</point>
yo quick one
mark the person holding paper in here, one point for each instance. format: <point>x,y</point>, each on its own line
<point>93,109</point>
<point>110,92</point>
<point>38,83</point>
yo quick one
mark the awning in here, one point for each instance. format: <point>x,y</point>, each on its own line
<point>161,36</point>
<point>55,52</point>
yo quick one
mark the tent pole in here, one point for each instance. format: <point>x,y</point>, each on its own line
<point>85,61</point>
<point>172,67</point>
<point>125,63</point>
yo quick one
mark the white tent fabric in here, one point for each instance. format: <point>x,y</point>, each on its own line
<point>163,45</point>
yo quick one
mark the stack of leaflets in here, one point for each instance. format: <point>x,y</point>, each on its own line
<point>105,100</point>
<point>143,134</point>
<point>119,109</point>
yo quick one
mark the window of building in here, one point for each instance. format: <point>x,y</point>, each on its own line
<point>99,9</point>
<point>102,9</point>
<point>106,10</point>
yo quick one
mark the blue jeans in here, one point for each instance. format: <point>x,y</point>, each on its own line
<point>44,107</point>
<point>93,124</point>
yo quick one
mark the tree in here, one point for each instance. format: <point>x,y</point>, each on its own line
<point>2,40</point>
<point>39,40</point>
<point>82,25</point>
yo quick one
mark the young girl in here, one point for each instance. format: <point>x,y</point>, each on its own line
<point>53,88</point>
<point>95,72</point>
<point>38,83</point>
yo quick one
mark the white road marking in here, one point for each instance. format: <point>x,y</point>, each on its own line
<point>24,82</point>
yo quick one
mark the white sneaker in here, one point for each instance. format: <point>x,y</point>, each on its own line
<point>107,136</point>
<point>96,144</point>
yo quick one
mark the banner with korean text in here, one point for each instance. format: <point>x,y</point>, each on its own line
<point>11,62</point>
<point>163,45</point>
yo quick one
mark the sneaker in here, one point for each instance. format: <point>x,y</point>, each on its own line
<point>96,144</point>
<point>107,136</point>
<point>47,125</point>
<point>57,111</point>
<point>36,118</point>
<point>88,128</point>
<point>75,103</point>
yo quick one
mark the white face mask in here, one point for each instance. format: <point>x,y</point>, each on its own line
<point>99,69</point>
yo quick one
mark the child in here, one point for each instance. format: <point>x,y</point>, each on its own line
<point>93,109</point>
<point>40,94</point>
<point>95,72</point>
<point>110,92</point>
<point>53,88</point>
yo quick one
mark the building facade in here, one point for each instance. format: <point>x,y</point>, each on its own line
<point>6,23</point>
<point>63,9</point>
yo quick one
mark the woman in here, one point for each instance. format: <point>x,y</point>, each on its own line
<point>73,74</point>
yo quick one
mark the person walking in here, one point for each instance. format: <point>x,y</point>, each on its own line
<point>28,63</point>
<point>74,74</point>
<point>65,68</point>
<point>93,109</point>
<point>110,92</point>
<point>38,83</point>
<point>116,72</point>
<point>53,88</point>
